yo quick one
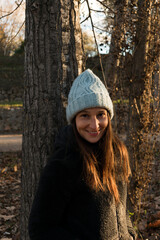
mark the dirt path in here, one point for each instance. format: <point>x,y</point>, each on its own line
<point>10,143</point>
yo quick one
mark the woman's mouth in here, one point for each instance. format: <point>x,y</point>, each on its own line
<point>94,134</point>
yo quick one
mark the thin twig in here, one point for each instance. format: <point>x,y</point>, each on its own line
<point>100,59</point>
<point>84,20</point>
<point>98,11</point>
<point>104,30</point>
<point>104,5</point>
<point>18,5</point>
<point>16,33</point>
<point>83,2</point>
<point>2,11</point>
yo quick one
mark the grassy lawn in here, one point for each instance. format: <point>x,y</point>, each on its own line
<point>13,104</point>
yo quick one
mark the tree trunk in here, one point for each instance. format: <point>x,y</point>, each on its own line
<point>140,103</point>
<point>53,58</point>
<point>113,59</point>
<point>118,33</point>
<point>156,98</point>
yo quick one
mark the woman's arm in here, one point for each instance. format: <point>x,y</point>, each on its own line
<point>47,217</point>
<point>52,197</point>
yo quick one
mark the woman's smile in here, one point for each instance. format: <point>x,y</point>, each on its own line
<point>91,123</point>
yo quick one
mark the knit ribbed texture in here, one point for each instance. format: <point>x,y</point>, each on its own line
<point>87,91</point>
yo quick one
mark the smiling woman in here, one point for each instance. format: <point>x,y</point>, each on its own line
<point>82,192</point>
<point>91,124</point>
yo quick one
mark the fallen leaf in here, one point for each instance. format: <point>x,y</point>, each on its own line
<point>7,217</point>
<point>2,228</point>
<point>10,208</point>
<point>6,238</point>
<point>15,168</point>
<point>4,170</point>
<point>155,224</point>
<point>7,233</point>
<point>2,195</point>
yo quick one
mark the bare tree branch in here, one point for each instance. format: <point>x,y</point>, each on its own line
<point>98,11</point>
<point>84,20</point>
<point>100,59</point>
<point>16,33</point>
<point>10,13</point>
<point>104,5</point>
<point>104,30</point>
<point>83,2</point>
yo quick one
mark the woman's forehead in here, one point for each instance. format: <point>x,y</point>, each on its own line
<point>94,110</point>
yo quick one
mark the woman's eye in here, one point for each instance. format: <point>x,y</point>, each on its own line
<point>84,115</point>
<point>101,115</point>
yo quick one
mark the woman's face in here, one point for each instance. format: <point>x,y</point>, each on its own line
<point>91,123</point>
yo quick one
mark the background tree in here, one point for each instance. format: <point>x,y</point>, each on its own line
<point>12,25</point>
<point>116,44</point>
<point>2,40</point>
<point>145,58</point>
<point>89,44</point>
<point>53,58</point>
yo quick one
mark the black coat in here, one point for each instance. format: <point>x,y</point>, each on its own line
<point>65,208</point>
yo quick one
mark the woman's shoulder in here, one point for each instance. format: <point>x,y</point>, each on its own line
<point>64,137</point>
<point>65,152</point>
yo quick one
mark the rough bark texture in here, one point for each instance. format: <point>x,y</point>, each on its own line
<point>53,58</point>
<point>113,60</point>
<point>140,103</point>
<point>156,98</point>
<point>118,33</point>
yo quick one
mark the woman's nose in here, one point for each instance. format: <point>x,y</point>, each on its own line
<point>94,123</point>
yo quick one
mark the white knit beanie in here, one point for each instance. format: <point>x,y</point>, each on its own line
<point>87,91</point>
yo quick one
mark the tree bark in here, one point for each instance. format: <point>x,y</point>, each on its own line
<point>140,104</point>
<point>156,98</point>
<point>113,59</point>
<point>118,33</point>
<point>53,58</point>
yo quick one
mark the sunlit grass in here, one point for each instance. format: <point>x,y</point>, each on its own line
<point>14,104</point>
<point>8,105</point>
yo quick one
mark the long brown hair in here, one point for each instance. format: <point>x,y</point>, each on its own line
<point>104,161</point>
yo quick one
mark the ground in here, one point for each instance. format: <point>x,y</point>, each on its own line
<point>10,178</point>
<point>10,142</point>
<point>10,175</point>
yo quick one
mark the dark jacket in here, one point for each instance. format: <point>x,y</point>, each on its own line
<point>65,208</point>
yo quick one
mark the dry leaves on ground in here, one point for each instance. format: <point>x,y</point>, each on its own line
<point>10,168</point>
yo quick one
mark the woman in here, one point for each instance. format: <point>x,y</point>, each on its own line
<point>83,188</point>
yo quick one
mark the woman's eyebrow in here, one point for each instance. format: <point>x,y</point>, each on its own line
<point>101,111</point>
<point>84,111</point>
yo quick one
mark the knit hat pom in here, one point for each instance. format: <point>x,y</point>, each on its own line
<point>87,91</point>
